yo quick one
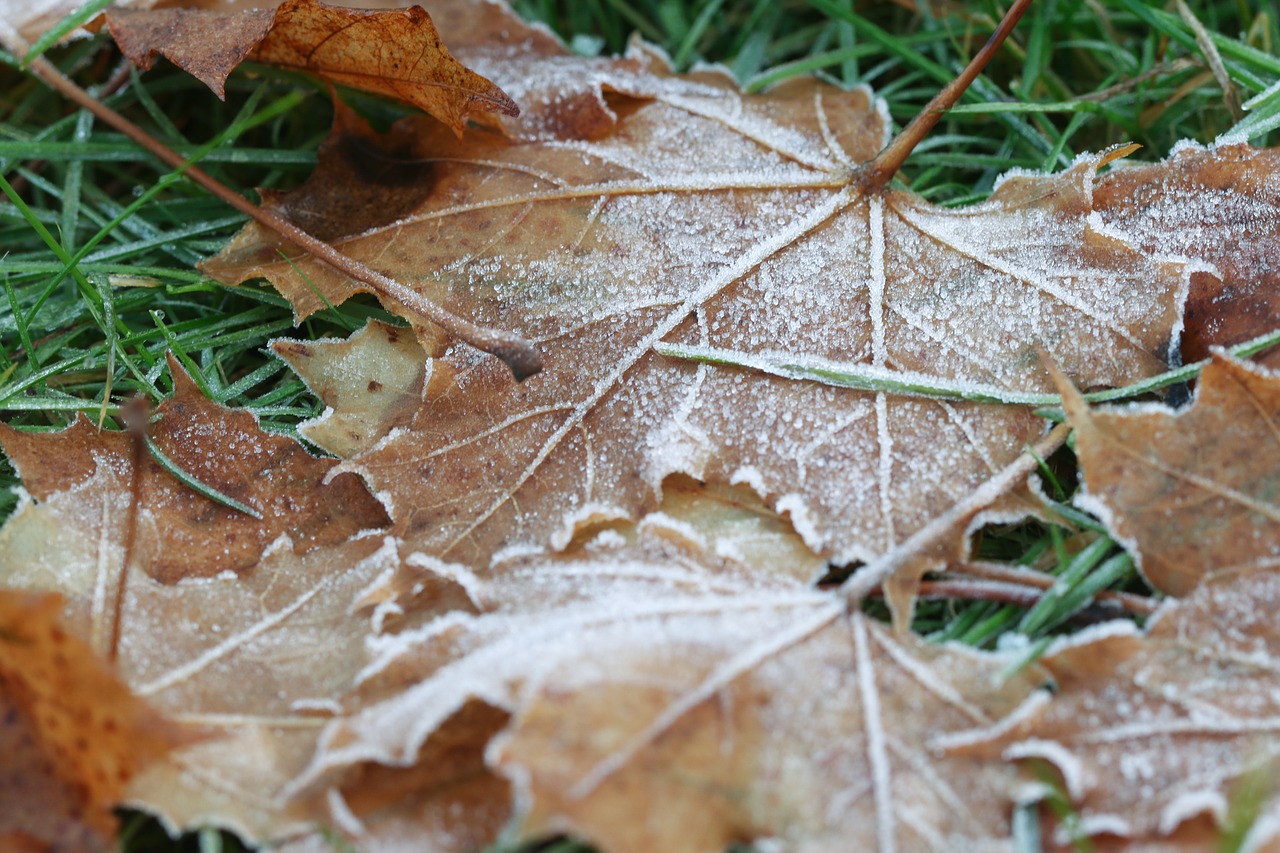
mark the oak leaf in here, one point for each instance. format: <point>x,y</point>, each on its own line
<point>1151,730</point>
<point>1190,492</point>
<point>72,735</point>
<point>599,250</point>
<point>397,53</point>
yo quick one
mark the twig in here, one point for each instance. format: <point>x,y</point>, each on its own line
<point>886,164</point>
<point>517,352</point>
<point>998,573</point>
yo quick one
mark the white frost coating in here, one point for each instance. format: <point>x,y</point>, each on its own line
<point>589,513</point>
<point>456,572</point>
<point>801,519</point>
<point>750,476</point>
<point>516,551</point>
<point>382,612</point>
<point>1073,772</point>
<point>1094,825</point>
<point>1190,804</point>
<point>342,814</point>
<point>1094,633</point>
<point>661,524</point>
<point>873,728</point>
<point>606,540</point>
<point>1031,707</point>
<point>314,706</point>
<point>385,648</point>
<point>1264,830</point>
<point>1102,511</point>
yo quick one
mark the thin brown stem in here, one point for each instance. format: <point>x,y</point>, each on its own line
<point>880,171</point>
<point>517,352</point>
<point>998,573</point>
<point>134,413</point>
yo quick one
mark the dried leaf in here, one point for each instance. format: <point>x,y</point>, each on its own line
<point>394,53</point>
<point>250,659</point>
<point>599,250</point>
<point>1190,492</point>
<point>71,734</point>
<point>181,533</point>
<point>370,384</point>
<point>1151,731</point>
<point>1231,228</point>
<point>663,697</point>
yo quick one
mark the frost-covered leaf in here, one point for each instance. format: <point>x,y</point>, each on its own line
<point>71,735</point>
<point>1191,492</point>
<point>242,632</point>
<point>1152,730</point>
<point>395,53</point>
<point>1219,207</point>
<point>664,697</point>
<point>181,533</point>
<point>370,384</point>
<point>597,250</point>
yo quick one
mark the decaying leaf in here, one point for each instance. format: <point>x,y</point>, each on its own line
<point>71,734</point>
<point>248,654</point>
<point>597,250</point>
<point>725,701</point>
<point>1191,492</point>
<point>370,385</point>
<point>1151,731</point>
<point>181,533</point>
<point>1233,228</point>
<point>395,53</point>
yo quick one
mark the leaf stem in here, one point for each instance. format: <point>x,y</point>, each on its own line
<point>517,352</point>
<point>879,172</point>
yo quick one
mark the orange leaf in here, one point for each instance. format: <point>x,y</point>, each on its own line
<point>71,735</point>
<point>394,53</point>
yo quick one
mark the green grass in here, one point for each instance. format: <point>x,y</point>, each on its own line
<point>99,241</point>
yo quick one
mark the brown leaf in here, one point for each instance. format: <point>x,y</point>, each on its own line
<point>251,659</point>
<point>71,735</point>
<point>1231,228</point>
<point>394,53</point>
<point>600,250</point>
<point>370,384</point>
<point>183,534</point>
<point>1151,731</point>
<point>664,696</point>
<point>1190,492</point>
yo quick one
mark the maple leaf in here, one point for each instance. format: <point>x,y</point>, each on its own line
<point>181,532</point>
<point>599,250</point>
<point>1232,230</point>
<point>647,673</point>
<point>72,735</point>
<point>1153,730</point>
<point>395,53</point>
<point>239,629</point>
<point>1190,492</point>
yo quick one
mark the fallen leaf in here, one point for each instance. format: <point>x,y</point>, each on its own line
<point>664,697</point>
<point>72,735</point>
<point>1189,492</point>
<point>250,654</point>
<point>181,533</point>
<point>1232,230</point>
<point>1149,731</point>
<point>598,250</point>
<point>394,53</point>
<point>370,384</point>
